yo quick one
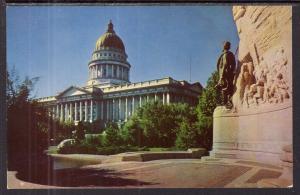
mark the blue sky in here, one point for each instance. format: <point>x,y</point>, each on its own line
<point>56,42</point>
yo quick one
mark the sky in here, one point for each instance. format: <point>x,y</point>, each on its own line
<point>55,43</point>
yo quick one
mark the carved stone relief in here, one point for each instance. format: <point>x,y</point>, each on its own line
<point>263,83</point>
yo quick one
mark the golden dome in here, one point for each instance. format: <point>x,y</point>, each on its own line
<point>110,40</point>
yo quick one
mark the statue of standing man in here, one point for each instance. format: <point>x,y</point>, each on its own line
<point>226,69</point>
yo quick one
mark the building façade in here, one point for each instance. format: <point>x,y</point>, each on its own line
<point>109,96</point>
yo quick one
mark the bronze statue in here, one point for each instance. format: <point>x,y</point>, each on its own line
<point>226,68</point>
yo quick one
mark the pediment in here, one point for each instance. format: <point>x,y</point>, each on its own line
<point>73,91</point>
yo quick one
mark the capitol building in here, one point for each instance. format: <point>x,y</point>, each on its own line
<point>108,95</point>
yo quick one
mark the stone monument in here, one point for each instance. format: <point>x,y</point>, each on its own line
<point>259,126</point>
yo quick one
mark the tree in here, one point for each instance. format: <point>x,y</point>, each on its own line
<point>112,135</point>
<point>186,135</point>
<point>132,132</point>
<point>28,126</point>
<point>208,101</point>
<point>156,125</point>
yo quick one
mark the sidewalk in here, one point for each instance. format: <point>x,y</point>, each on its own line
<point>171,173</point>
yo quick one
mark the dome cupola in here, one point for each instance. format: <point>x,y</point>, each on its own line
<point>110,39</point>
<point>109,65</point>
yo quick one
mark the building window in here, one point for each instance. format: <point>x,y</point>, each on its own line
<point>121,72</point>
<point>109,54</point>
<point>115,71</point>
<point>100,54</point>
<point>124,73</point>
<point>99,71</point>
<point>105,54</point>
<point>109,71</point>
<point>127,74</point>
<point>104,71</point>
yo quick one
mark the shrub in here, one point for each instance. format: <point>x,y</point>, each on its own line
<point>67,148</point>
<point>186,136</point>
<point>112,135</point>
<point>132,133</point>
<point>95,140</point>
<point>155,124</point>
<point>82,147</point>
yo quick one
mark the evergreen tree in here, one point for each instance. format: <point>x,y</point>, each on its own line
<point>112,135</point>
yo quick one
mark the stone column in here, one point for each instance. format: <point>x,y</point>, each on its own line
<point>75,113</point>
<point>91,111</point>
<point>107,110</point>
<point>102,110</point>
<point>113,110</point>
<point>128,74</point>
<point>164,98</point>
<point>106,71</point>
<point>126,115</point>
<point>61,112</point>
<point>121,69</point>
<point>66,111</point>
<point>168,98</point>
<point>52,112</point>
<point>118,71</point>
<point>120,109</point>
<point>71,111</point>
<point>147,98</point>
<point>57,111</point>
<point>86,111</point>
<point>132,105</point>
<point>80,111</point>
<point>155,97</point>
<point>94,73</point>
<point>111,71</point>
<point>140,101</point>
<point>97,71</point>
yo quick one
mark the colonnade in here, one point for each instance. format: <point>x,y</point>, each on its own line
<point>121,108</point>
<point>108,71</point>
<point>83,110</point>
<point>114,109</point>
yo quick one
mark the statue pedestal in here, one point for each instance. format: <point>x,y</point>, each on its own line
<point>256,134</point>
<point>286,179</point>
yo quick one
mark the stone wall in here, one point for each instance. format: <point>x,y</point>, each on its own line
<point>264,73</point>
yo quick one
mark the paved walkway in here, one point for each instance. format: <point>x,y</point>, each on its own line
<point>172,173</point>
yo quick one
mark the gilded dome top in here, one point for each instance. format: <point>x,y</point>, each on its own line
<point>110,39</point>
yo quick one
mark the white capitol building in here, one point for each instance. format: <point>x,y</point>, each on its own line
<point>109,95</point>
